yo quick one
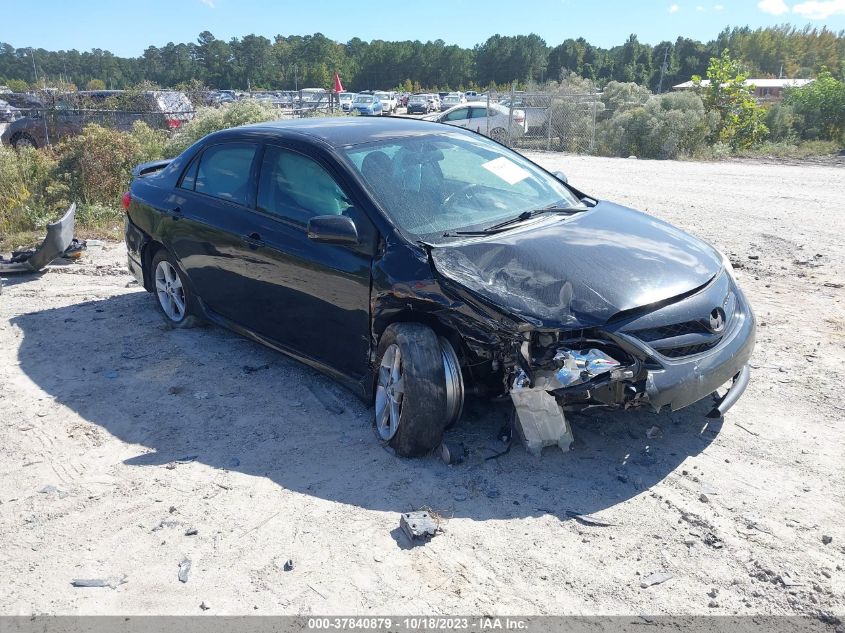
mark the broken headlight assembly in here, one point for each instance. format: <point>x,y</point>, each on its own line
<point>579,363</point>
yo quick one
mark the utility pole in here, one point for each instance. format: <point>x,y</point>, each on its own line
<point>663,68</point>
<point>34,70</point>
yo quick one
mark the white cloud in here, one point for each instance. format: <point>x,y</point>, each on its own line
<point>699,8</point>
<point>775,7</point>
<point>208,3</point>
<point>819,9</point>
<point>674,8</point>
<point>718,7</point>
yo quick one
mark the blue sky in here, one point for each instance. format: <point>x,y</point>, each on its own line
<point>127,28</point>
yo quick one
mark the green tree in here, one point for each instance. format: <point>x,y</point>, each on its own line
<point>819,108</point>
<point>95,84</point>
<point>740,118</point>
<point>18,85</point>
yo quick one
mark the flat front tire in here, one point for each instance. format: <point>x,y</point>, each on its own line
<point>173,298</point>
<point>410,389</point>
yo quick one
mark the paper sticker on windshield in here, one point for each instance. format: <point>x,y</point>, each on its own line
<point>506,169</point>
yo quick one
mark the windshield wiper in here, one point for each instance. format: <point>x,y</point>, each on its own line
<point>522,217</point>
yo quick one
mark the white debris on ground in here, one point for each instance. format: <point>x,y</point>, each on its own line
<point>127,449</point>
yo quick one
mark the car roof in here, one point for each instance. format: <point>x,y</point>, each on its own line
<point>341,131</point>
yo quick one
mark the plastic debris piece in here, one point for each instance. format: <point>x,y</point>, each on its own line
<point>588,519</point>
<point>184,570</point>
<point>112,582</point>
<point>452,452</point>
<point>540,419</point>
<point>418,525</point>
<point>655,579</point>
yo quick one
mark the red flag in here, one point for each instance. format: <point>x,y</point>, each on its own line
<point>338,87</point>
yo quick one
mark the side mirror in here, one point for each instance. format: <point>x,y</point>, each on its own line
<point>561,176</point>
<point>332,229</point>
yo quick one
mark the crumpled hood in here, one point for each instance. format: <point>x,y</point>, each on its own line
<point>579,271</point>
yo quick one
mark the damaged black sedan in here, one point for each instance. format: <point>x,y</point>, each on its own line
<point>418,263</point>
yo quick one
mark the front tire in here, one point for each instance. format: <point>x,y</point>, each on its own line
<point>174,299</point>
<point>410,389</point>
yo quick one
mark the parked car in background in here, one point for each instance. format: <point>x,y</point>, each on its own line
<point>536,108</point>
<point>416,264</point>
<point>366,105</point>
<point>346,99</point>
<point>451,100</point>
<point>434,100</point>
<point>471,94</point>
<point>388,101</point>
<point>8,112</point>
<point>313,100</point>
<point>419,104</point>
<point>492,120</point>
<point>65,114</point>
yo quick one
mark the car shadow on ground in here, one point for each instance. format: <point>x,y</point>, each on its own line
<point>210,396</point>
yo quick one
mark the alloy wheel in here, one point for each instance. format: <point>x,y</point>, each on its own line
<point>389,393</point>
<point>169,290</point>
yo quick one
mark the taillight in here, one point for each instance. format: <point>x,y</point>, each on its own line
<point>124,202</point>
<point>174,124</point>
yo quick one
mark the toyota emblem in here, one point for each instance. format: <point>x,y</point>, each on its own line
<point>717,320</point>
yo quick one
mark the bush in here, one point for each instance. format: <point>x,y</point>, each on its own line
<point>618,97</point>
<point>97,164</point>
<point>667,126</point>
<point>208,120</point>
<point>819,108</point>
<point>30,194</point>
<point>781,121</point>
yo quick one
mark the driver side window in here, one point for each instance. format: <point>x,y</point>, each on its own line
<point>295,187</point>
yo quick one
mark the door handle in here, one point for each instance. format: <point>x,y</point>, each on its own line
<point>253,240</point>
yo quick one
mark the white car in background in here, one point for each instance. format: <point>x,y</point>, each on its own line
<point>451,100</point>
<point>346,99</point>
<point>491,120</point>
<point>388,102</point>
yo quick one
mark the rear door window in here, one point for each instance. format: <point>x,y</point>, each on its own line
<point>457,115</point>
<point>224,172</point>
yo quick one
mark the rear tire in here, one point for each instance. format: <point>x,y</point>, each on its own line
<point>23,141</point>
<point>410,389</point>
<point>499,135</point>
<point>174,299</point>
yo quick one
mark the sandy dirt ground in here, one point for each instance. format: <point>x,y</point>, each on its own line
<point>127,448</point>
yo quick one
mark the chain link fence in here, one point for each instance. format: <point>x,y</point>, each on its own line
<point>43,118</point>
<point>552,121</point>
